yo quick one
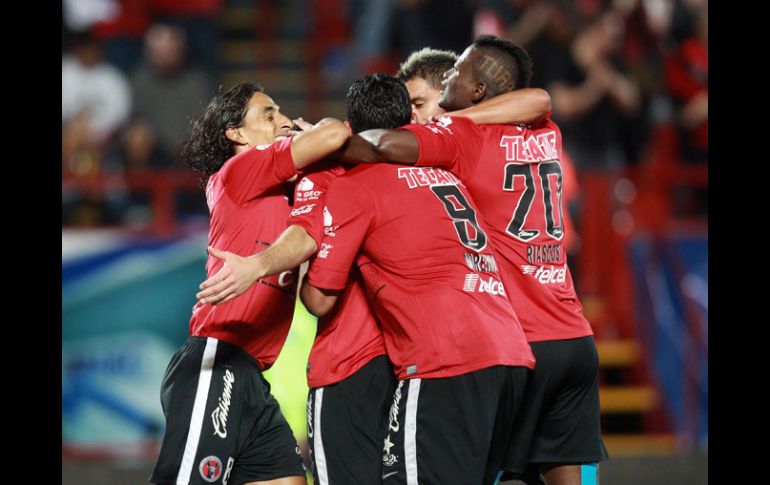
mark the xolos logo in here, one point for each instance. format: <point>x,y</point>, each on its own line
<point>210,468</point>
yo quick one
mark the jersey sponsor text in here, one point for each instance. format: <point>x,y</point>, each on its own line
<point>426,176</point>
<point>219,416</point>
<point>536,148</point>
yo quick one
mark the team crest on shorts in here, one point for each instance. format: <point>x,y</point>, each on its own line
<point>210,468</point>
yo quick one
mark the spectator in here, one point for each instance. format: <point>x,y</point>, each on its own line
<point>167,95</point>
<point>96,101</point>
<point>122,33</point>
<point>593,97</point>
<point>687,81</point>
<point>199,19</point>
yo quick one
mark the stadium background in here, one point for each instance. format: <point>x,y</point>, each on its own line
<point>134,221</point>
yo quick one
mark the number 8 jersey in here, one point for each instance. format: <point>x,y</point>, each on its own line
<point>514,175</point>
<point>430,271</point>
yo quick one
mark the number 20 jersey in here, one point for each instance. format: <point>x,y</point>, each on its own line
<point>514,175</point>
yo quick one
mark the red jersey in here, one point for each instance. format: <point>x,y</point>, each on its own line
<point>515,176</point>
<point>248,202</point>
<point>349,336</point>
<point>432,280</point>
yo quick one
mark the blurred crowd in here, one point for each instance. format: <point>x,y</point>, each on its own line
<point>612,67</point>
<point>134,72</point>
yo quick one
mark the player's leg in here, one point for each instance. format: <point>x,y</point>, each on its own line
<point>559,416</point>
<point>507,409</point>
<point>281,481</point>
<point>190,452</point>
<point>440,430</point>
<point>584,474</point>
<point>223,426</point>
<point>532,476</point>
<point>346,425</point>
<point>567,444</point>
<point>269,454</point>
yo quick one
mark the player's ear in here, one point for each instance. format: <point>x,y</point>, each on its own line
<point>479,91</point>
<point>233,133</point>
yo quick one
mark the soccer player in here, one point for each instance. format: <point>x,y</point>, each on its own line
<point>459,354</point>
<point>222,424</point>
<point>348,355</point>
<point>423,71</point>
<point>515,176</point>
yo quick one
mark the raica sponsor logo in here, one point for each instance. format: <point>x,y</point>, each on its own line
<point>219,416</point>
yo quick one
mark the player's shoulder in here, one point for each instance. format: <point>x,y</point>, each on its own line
<point>325,169</point>
<point>546,124</point>
<point>366,177</point>
<point>258,151</point>
<point>525,130</point>
<point>364,171</point>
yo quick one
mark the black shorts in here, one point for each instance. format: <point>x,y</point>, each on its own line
<point>222,424</point>
<point>346,425</point>
<point>559,416</point>
<point>452,430</point>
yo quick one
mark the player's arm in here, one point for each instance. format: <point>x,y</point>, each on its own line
<point>453,143</point>
<point>318,301</point>
<point>525,106</point>
<point>322,139</point>
<point>375,146</point>
<point>250,173</point>
<point>293,247</point>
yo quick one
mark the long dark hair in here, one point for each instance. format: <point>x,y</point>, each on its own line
<point>208,148</point>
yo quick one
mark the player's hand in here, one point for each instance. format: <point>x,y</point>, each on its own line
<point>233,279</point>
<point>302,124</point>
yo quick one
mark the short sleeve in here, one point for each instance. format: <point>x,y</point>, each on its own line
<point>252,172</point>
<point>453,143</point>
